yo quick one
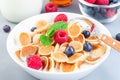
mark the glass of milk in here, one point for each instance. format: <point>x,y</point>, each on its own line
<point>18,10</point>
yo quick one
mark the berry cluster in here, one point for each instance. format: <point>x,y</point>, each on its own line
<point>60,37</point>
<point>102,2</point>
<point>100,13</point>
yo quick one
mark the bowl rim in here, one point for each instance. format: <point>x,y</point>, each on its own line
<point>102,6</point>
<point>56,73</point>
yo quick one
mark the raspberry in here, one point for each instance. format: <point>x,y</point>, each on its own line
<point>34,62</point>
<point>60,36</point>
<point>61,17</point>
<point>50,7</point>
<point>102,2</point>
<point>92,28</point>
<point>110,13</point>
<point>90,1</point>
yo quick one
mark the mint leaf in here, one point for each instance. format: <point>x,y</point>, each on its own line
<point>46,41</point>
<point>51,31</point>
<point>56,26</point>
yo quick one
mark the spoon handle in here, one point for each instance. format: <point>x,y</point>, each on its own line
<point>111,42</point>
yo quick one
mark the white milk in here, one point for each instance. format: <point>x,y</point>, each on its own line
<point>18,10</point>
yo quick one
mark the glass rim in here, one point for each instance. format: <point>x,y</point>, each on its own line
<point>94,5</point>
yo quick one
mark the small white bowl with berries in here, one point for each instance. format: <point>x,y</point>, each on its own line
<point>104,11</point>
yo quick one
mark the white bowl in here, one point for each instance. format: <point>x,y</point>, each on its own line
<point>27,24</point>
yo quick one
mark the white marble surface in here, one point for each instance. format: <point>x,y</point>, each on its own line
<point>9,70</point>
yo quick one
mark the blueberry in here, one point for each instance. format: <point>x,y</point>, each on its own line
<point>87,46</point>
<point>90,10</point>
<point>113,1</point>
<point>96,9</point>
<point>32,29</point>
<point>118,37</point>
<point>103,11</point>
<point>6,28</point>
<point>69,51</point>
<point>99,16</point>
<point>86,33</point>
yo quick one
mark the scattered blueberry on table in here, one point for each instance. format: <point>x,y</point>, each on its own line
<point>6,28</point>
<point>118,36</point>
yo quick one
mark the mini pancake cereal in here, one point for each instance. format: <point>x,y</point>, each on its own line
<point>50,64</point>
<point>24,38</point>
<point>41,23</point>
<point>60,46</point>
<point>78,46</point>
<point>80,38</point>
<point>17,53</point>
<point>28,50</point>
<point>46,50</point>
<point>92,60</point>
<point>75,58</point>
<point>35,39</point>
<point>93,40</point>
<point>66,67</point>
<point>59,57</point>
<point>63,46</point>
<point>45,62</point>
<point>74,29</point>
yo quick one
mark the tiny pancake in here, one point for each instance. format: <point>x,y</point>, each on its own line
<point>79,63</point>
<point>62,49</point>
<point>66,67</point>
<point>63,46</point>
<point>74,29</point>
<point>17,54</point>
<point>88,21</point>
<point>24,38</point>
<point>57,65</point>
<point>59,56</point>
<point>43,29</point>
<point>80,38</point>
<point>35,39</point>
<point>93,40</point>
<point>75,58</point>
<point>92,60</point>
<point>69,39</point>
<point>46,50</point>
<point>41,24</point>
<point>50,64</point>
<point>78,46</point>
<point>57,46</point>
<point>98,50</point>
<point>82,52</point>
<point>44,62</point>
<point>29,50</point>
